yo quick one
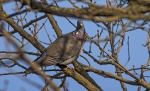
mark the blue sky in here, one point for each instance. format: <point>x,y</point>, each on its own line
<point>139,55</point>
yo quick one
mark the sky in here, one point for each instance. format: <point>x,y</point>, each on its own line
<point>138,53</point>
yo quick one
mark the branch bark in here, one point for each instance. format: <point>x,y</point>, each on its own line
<point>36,44</point>
<point>94,13</point>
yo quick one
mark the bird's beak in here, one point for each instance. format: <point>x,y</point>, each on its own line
<point>81,25</point>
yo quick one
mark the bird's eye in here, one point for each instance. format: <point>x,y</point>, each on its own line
<point>77,32</point>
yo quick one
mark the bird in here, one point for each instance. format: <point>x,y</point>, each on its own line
<point>64,50</point>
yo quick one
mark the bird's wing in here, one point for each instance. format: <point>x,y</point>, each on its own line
<point>64,48</point>
<point>41,58</point>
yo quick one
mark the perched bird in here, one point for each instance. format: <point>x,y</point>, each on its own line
<point>64,50</point>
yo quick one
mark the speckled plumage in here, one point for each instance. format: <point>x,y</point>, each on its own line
<point>64,49</point>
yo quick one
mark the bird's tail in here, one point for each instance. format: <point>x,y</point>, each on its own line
<point>30,70</point>
<point>36,61</point>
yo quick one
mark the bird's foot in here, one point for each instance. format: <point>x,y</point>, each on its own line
<point>68,67</point>
<point>64,66</point>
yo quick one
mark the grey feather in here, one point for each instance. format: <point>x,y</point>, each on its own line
<point>64,49</point>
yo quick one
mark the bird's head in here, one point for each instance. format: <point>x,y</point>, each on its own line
<point>79,24</point>
<point>80,30</point>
